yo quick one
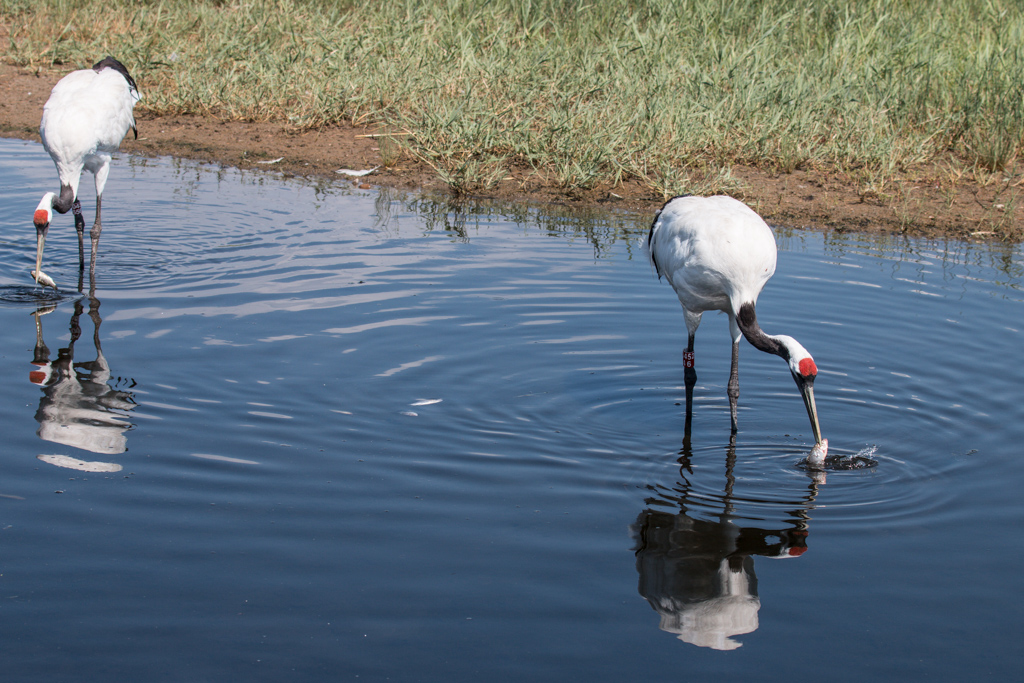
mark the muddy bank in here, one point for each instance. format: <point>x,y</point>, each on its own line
<point>930,202</point>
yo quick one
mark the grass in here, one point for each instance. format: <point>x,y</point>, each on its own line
<point>668,93</point>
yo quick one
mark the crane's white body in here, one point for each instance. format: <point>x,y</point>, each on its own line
<point>715,252</point>
<point>84,120</point>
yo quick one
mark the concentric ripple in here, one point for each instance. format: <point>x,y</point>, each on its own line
<point>759,482</point>
<point>31,295</point>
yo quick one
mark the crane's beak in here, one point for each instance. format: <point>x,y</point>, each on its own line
<point>807,391</point>
<point>40,243</point>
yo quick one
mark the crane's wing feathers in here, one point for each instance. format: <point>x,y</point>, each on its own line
<point>715,251</point>
<point>88,113</point>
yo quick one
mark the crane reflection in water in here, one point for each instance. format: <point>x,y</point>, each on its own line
<point>83,405</point>
<point>695,555</point>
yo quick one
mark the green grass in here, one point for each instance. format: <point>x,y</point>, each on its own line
<point>668,93</point>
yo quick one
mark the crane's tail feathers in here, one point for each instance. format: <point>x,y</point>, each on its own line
<point>650,245</point>
<point>654,228</point>
<point>110,62</point>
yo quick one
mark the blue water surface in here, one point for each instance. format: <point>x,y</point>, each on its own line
<point>368,435</point>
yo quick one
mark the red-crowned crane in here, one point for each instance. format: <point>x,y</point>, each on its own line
<point>717,254</point>
<point>87,115</point>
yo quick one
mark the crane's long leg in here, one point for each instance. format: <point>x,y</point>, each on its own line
<point>97,228</point>
<point>734,383</point>
<point>690,376</point>
<point>76,209</point>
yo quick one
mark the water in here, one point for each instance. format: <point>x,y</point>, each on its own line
<point>364,435</point>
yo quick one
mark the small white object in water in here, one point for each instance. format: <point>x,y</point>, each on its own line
<point>816,458</point>
<point>81,465</point>
<point>223,458</point>
<point>426,401</point>
<point>350,172</point>
<point>44,279</point>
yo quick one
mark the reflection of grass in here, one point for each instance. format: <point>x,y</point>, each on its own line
<point>669,93</point>
<point>463,217</point>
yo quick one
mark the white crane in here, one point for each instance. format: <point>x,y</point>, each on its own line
<point>717,254</point>
<point>84,120</point>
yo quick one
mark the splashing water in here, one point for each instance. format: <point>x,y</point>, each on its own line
<point>818,459</point>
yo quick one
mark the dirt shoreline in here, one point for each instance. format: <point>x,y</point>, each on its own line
<point>927,202</point>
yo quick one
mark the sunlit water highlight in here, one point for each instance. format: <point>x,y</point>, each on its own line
<point>374,435</point>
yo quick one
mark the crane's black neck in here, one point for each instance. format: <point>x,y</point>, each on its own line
<point>747,321</point>
<point>62,203</point>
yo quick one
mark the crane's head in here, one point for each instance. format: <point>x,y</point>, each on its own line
<point>804,370</point>
<point>41,218</point>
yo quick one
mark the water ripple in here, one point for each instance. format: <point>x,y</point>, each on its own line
<point>32,295</point>
<point>760,482</point>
